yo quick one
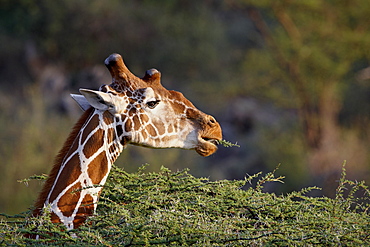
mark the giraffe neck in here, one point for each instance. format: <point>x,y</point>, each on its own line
<point>81,169</point>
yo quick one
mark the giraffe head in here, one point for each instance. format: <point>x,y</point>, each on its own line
<point>147,114</point>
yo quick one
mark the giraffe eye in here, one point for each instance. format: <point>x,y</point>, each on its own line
<point>152,104</point>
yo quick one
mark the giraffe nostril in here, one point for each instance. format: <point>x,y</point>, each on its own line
<point>212,120</point>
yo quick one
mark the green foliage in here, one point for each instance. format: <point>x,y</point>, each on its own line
<point>227,144</point>
<point>174,208</point>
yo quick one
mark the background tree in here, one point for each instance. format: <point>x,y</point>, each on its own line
<point>313,51</point>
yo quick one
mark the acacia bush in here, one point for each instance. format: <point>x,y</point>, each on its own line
<point>174,208</point>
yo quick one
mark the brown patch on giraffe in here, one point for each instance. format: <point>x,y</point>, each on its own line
<point>98,168</point>
<point>166,138</point>
<point>179,97</point>
<point>119,130</point>
<point>128,125</point>
<point>170,128</point>
<point>132,112</point>
<point>93,123</point>
<point>128,93</point>
<point>179,108</point>
<point>144,134</point>
<point>144,118</point>
<point>161,129</point>
<point>180,103</point>
<point>68,201</point>
<point>95,142</point>
<point>136,121</point>
<point>54,218</point>
<point>151,130</point>
<point>193,113</point>
<point>86,209</point>
<point>69,174</point>
<point>108,118</point>
<point>110,134</point>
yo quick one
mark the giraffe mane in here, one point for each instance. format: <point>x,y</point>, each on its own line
<point>39,204</point>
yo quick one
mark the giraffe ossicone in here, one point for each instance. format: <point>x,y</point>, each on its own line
<point>130,110</point>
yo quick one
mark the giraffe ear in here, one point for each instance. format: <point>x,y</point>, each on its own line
<point>98,100</point>
<point>81,101</point>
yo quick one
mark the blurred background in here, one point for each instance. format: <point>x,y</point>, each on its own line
<point>289,81</point>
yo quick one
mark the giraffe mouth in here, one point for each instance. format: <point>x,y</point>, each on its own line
<point>211,140</point>
<point>207,146</point>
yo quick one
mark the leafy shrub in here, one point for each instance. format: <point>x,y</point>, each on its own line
<point>174,208</point>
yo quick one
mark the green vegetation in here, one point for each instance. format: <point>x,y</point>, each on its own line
<point>287,79</point>
<point>174,208</point>
<point>227,144</point>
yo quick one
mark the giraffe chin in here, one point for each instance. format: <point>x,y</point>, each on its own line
<point>206,148</point>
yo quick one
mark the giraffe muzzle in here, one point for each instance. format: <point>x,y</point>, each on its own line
<point>209,137</point>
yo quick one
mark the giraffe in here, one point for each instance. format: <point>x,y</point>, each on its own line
<point>130,110</point>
